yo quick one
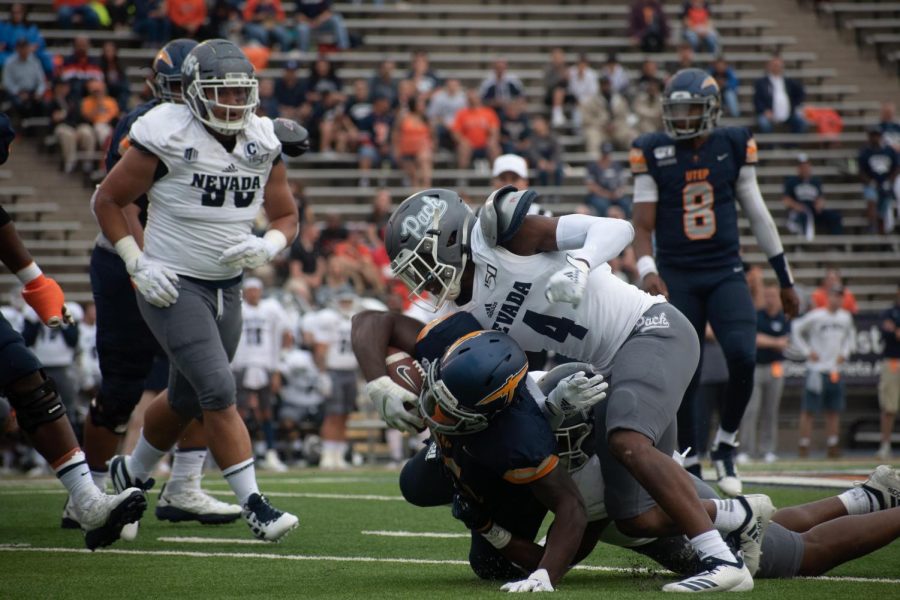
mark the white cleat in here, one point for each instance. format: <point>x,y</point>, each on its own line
<point>122,479</point>
<point>750,534</point>
<point>265,521</point>
<point>193,504</point>
<point>727,477</point>
<point>272,463</point>
<point>719,576</point>
<point>884,484</point>
<point>105,516</point>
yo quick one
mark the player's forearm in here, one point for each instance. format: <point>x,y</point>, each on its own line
<point>373,331</point>
<point>110,217</point>
<point>564,538</point>
<point>593,239</point>
<point>12,251</point>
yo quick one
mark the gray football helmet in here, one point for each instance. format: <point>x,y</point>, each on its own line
<point>427,239</point>
<point>575,433</point>
<point>208,70</point>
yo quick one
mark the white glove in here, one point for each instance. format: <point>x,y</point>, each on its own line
<point>539,581</point>
<point>389,399</point>
<point>155,282</point>
<point>324,384</point>
<point>567,285</point>
<point>577,393</point>
<point>251,252</point>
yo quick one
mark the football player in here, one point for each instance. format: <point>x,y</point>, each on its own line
<point>687,184</point>
<point>39,409</point>
<point>207,167</point>
<point>132,364</point>
<point>545,282</point>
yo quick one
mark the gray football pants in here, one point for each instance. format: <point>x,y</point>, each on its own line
<point>759,426</point>
<point>200,334</point>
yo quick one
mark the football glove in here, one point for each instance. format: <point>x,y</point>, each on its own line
<point>249,253</point>
<point>390,399</point>
<point>567,285</point>
<point>45,296</point>
<point>153,281</point>
<point>576,393</point>
<point>539,581</point>
<point>471,513</point>
<point>294,137</point>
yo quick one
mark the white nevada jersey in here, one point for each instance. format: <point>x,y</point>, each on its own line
<point>209,197</point>
<point>263,329</point>
<point>508,296</point>
<point>329,326</point>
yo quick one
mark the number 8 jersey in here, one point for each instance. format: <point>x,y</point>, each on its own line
<point>696,214</point>
<point>205,198</point>
<point>508,296</point>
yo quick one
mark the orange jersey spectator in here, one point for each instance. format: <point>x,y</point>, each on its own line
<point>820,300</point>
<point>99,109</point>
<point>476,124</point>
<point>187,14</point>
<point>413,135</point>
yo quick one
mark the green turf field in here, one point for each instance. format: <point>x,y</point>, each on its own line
<point>331,555</point>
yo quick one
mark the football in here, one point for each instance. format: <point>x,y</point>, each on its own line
<point>404,370</point>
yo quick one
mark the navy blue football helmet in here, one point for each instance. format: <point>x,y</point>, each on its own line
<point>691,104</point>
<point>166,79</point>
<point>477,377</point>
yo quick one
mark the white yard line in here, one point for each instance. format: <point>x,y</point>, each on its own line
<point>416,534</point>
<point>207,540</point>
<point>228,493</point>
<point>364,559</point>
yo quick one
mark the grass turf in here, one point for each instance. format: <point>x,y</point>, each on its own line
<point>317,559</point>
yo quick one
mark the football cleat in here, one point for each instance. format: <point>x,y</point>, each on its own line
<point>884,484</point>
<point>265,521</point>
<point>122,480</point>
<point>723,458</point>
<point>69,518</point>
<point>271,462</point>
<point>749,535</point>
<point>104,517</point>
<point>194,504</point>
<point>719,576</point>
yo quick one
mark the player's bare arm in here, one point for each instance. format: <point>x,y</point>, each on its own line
<point>644,220</point>
<point>129,179</point>
<point>373,331</point>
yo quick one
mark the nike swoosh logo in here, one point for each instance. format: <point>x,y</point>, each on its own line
<point>738,269</point>
<point>721,156</point>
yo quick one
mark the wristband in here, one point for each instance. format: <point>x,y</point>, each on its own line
<point>782,270</point>
<point>497,537</point>
<point>645,266</point>
<point>28,274</point>
<point>129,251</point>
<point>275,242</point>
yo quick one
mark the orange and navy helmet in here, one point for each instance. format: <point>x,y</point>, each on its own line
<point>166,79</point>
<point>478,376</point>
<point>691,104</point>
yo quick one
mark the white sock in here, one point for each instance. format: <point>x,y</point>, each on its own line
<point>726,437</point>
<point>259,448</point>
<point>859,501</point>
<point>711,544</point>
<point>187,467</point>
<point>832,440</point>
<point>803,443</point>
<point>330,445</point>
<point>99,478</point>
<point>143,459</point>
<point>76,476</point>
<point>730,515</point>
<point>242,479</point>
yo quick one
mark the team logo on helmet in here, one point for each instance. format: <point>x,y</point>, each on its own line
<point>163,56</point>
<point>415,225</point>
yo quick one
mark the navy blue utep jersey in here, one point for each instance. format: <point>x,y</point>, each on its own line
<point>120,142</point>
<point>696,213</point>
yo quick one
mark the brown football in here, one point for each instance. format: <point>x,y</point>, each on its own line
<point>404,370</point>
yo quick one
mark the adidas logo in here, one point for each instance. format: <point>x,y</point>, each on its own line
<point>230,169</point>
<point>490,308</point>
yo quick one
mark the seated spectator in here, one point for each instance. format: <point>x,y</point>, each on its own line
<point>545,153</point>
<point>188,17</point>
<point>264,22</point>
<point>605,118</point>
<point>339,276</point>
<point>649,74</point>
<point>878,169</point>
<point>509,169</point>
<point>19,27</point>
<point>500,86</point>
<point>323,79</point>
<point>583,80</point>
<point>556,87</point>
<point>698,30</point>
<point>423,77</point>
<point>319,17</point>
<point>377,220</point>
<point>151,22</point>
<point>476,130</point>
<point>831,280</point>
<point>515,129</point>
<point>69,128</point>
<point>442,109</point>
<point>728,85</point>
<point>24,82</point>
<point>412,144</point>
<point>384,83</point>
<point>326,115</point>
<point>613,70</point>
<point>647,107</point>
<point>305,260</point>
<point>100,110</point>
<point>647,26</point>
<point>78,68</point>
<point>374,138</point>
<point>684,60</point>
<point>607,183</point>
<point>268,103</point>
<point>890,128</point>
<point>76,14</point>
<point>778,99</point>
<point>114,75</point>
<point>359,261</point>
<point>806,203</point>
<point>290,91</point>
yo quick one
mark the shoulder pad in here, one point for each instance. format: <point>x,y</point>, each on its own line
<point>294,137</point>
<point>503,214</point>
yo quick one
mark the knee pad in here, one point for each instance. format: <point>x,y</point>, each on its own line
<point>38,406</point>
<point>219,393</point>
<point>113,411</point>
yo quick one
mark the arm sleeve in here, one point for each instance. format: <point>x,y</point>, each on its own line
<point>761,222</point>
<point>595,239</point>
<point>645,189</point>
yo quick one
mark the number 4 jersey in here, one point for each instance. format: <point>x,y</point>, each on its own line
<point>508,295</point>
<point>205,198</point>
<point>696,213</point>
